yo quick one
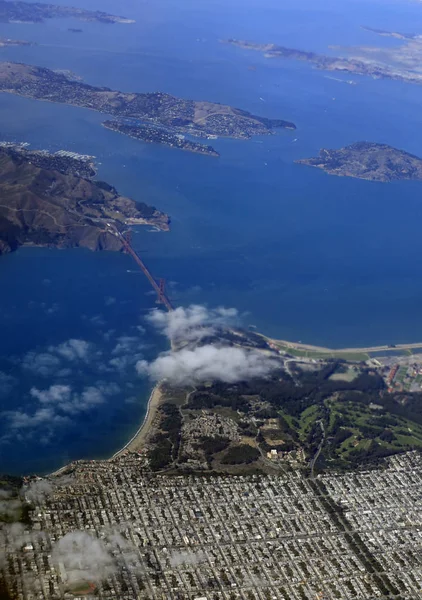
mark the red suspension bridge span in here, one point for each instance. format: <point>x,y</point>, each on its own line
<point>158,286</point>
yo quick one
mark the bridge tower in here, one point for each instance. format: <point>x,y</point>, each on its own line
<point>162,292</point>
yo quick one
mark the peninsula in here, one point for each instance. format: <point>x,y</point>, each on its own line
<point>368,160</point>
<point>148,133</point>
<point>51,200</point>
<point>37,12</point>
<point>200,119</point>
<point>395,34</point>
<point>366,63</point>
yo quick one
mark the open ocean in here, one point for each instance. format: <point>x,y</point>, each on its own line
<point>304,256</point>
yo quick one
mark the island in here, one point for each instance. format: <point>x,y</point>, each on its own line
<point>37,12</point>
<point>368,160</point>
<point>199,119</point>
<point>156,135</point>
<point>374,62</point>
<point>52,200</point>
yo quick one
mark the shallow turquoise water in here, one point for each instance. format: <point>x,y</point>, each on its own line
<point>303,255</point>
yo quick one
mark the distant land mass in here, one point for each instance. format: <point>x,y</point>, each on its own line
<point>37,12</point>
<point>371,62</point>
<point>4,42</point>
<point>395,34</point>
<point>51,200</point>
<point>148,133</point>
<point>368,160</point>
<point>200,119</point>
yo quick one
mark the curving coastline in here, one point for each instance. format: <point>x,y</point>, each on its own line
<point>138,440</point>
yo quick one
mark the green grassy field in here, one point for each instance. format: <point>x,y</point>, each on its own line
<point>352,428</point>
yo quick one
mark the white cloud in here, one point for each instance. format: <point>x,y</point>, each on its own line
<point>57,404</point>
<point>13,536</point>
<point>73,349</point>
<point>208,363</point>
<point>192,323</point>
<point>38,490</point>
<point>90,397</point>
<point>48,363</point>
<point>45,417</point>
<point>88,558</point>
<point>54,394</point>
<point>121,363</point>
<point>84,557</point>
<point>67,401</point>
<point>125,344</point>
<point>125,353</point>
<point>187,557</point>
<point>43,363</point>
<point>10,508</point>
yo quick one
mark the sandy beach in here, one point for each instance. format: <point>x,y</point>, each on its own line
<point>140,437</point>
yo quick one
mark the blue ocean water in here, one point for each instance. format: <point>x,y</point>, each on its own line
<point>302,255</point>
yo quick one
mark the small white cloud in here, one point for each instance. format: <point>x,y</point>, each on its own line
<point>126,343</point>
<point>53,309</point>
<point>43,363</point>
<point>187,557</point>
<point>56,405</point>
<point>73,349</point>
<point>122,363</point>
<point>45,417</point>
<point>89,398</point>
<point>98,321</point>
<point>37,491</point>
<point>54,394</point>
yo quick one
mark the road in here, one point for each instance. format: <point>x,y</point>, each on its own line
<point>318,452</point>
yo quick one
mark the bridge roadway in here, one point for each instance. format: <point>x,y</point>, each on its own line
<point>161,295</point>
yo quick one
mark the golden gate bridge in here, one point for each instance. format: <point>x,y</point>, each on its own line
<point>160,285</point>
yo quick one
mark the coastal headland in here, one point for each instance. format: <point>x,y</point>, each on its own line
<point>51,200</point>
